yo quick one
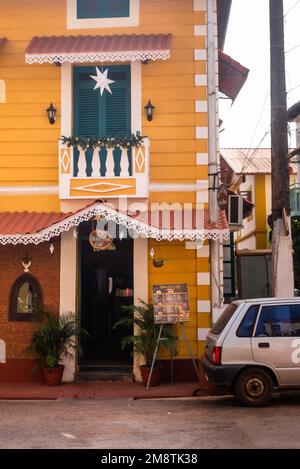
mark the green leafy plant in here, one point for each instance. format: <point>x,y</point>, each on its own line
<point>122,141</point>
<point>55,338</point>
<point>145,340</point>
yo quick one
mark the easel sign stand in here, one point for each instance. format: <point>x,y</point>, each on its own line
<point>188,345</point>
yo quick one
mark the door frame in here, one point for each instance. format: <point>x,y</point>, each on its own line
<point>69,281</point>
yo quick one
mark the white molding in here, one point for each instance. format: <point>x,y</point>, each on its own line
<point>203,251</point>
<point>201,133</point>
<point>202,196</point>
<point>201,106</point>
<point>203,278</point>
<point>199,5</point>
<point>2,92</point>
<point>203,306</point>
<point>200,54</point>
<point>200,80</point>
<point>2,351</point>
<point>202,333</point>
<point>68,287</point>
<point>66,99</point>
<point>136,96</point>
<point>89,23</point>
<point>140,284</point>
<point>29,190</point>
<point>200,30</point>
<point>202,159</point>
<point>172,187</point>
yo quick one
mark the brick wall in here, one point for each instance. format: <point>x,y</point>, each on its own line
<point>45,268</point>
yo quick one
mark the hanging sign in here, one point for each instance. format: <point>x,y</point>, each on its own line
<point>101,241</point>
<point>222,197</point>
<point>170,303</point>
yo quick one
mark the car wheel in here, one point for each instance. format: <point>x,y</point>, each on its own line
<point>254,387</point>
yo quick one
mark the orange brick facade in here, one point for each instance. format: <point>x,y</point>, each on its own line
<point>45,267</point>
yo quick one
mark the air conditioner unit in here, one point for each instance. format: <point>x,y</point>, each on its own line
<point>235,210</point>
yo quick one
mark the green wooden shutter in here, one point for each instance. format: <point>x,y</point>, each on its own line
<point>103,8</point>
<point>106,115</point>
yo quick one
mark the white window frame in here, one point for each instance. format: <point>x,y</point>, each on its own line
<point>88,23</point>
<point>67,97</point>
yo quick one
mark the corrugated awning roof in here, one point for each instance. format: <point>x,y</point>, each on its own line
<point>250,161</point>
<point>121,48</point>
<point>28,222</point>
<point>34,228</point>
<point>232,75</point>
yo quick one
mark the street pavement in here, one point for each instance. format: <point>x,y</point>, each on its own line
<point>181,423</point>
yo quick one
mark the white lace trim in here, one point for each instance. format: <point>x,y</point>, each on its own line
<point>141,228</point>
<point>120,56</point>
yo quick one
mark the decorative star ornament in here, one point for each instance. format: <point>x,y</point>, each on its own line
<point>102,81</point>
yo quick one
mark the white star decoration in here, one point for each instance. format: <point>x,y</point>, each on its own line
<point>102,81</point>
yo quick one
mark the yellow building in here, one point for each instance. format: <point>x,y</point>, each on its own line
<point>104,115</point>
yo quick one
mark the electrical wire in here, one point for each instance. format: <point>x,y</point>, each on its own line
<point>295,4</point>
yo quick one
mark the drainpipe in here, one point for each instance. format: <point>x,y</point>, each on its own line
<point>213,167</point>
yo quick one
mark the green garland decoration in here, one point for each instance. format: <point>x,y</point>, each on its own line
<point>122,141</point>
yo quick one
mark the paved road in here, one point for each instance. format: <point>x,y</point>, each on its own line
<point>173,424</point>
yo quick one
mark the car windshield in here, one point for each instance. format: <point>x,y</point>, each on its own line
<point>223,319</point>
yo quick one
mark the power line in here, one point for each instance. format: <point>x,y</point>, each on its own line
<point>295,4</point>
<point>254,133</point>
<point>292,48</point>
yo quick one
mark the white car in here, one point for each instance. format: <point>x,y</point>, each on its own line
<point>254,347</point>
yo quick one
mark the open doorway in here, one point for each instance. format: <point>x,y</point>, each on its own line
<point>105,286</point>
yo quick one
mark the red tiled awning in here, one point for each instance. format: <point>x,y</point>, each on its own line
<point>12,223</point>
<point>121,48</point>
<point>168,224</point>
<point>232,75</point>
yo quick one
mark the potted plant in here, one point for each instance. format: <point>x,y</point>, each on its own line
<point>143,339</point>
<point>54,339</point>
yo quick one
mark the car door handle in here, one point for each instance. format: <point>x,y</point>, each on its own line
<point>263,345</point>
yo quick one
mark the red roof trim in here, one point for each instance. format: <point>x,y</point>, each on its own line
<point>30,223</point>
<point>94,48</point>
<point>232,75</point>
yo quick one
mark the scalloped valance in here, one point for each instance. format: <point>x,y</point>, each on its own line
<point>167,224</point>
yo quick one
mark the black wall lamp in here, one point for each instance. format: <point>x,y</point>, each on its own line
<point>149,108</point>
<point>51,111</point>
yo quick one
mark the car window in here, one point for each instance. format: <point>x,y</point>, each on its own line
<point>279,321</point>
<point>246,326</point>
<point>223,319</point>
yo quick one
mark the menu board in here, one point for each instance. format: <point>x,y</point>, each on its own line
<point>170,303</point>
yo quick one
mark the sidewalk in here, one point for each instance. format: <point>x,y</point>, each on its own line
<point>98,390</point>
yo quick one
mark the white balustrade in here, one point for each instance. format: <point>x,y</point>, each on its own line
<point>95,164</point>
<point>81,163</point>
<point>124,163</point>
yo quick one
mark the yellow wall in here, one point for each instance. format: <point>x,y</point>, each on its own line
<point>28,143</point>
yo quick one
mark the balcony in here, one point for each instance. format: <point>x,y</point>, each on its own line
<point>295,200</point>
<point>104,172</point>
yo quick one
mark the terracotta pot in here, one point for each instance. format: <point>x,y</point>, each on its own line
<point>53,376</point>
<point>155,377</point>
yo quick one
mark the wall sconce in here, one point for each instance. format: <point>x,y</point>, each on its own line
<point>51,111</point>
<point>149,108</point>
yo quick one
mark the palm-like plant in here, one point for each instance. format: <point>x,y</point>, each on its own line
<point>145,340</point>
<point>55,338</point>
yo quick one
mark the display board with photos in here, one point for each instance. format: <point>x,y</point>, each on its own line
<point>170,303</point>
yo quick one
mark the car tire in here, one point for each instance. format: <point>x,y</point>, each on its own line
<point>253,387</point>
